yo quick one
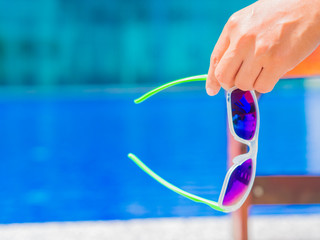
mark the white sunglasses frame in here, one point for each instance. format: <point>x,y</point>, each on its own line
<point>237,161</point>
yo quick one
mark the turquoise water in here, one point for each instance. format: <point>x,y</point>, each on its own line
<point>64,151</point>
<point>108,41</point>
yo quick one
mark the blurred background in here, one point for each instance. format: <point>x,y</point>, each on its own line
<point>67,42</point>
<point>69,71</point>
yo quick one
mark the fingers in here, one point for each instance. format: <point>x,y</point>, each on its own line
<point>212,84</point>
<point>243,57</point>
<point>266,81</point>
<point>247,75</point>
<point>228,68</point>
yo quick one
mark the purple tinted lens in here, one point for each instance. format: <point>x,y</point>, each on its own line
<point>244,114</point>
<point>238,183</point>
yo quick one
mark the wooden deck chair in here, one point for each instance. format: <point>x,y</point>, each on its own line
<point>277,189</point>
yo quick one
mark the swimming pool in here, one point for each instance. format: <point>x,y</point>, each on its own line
<point>64,151</point>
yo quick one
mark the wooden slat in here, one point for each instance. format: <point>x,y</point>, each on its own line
<point>286,190</point>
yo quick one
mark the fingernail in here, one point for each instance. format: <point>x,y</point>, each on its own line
<point>211,92</point>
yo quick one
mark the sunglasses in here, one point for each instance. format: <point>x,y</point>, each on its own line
<point>243,121</point>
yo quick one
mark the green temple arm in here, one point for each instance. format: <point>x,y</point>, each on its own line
<point>156,177</point>
<point>170,84</point>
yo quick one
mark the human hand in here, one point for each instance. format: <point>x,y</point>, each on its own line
<point>262,42</point>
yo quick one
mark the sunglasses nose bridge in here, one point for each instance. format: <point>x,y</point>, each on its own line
<point>252,149</point>
<point>240,158</point>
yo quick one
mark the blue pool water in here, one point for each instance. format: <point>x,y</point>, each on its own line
<point>64,152</point>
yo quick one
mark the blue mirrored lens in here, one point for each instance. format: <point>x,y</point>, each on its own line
<point>244,114</point>
<point>238,183</point>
